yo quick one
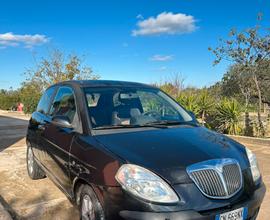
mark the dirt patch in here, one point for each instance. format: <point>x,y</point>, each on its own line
<point>30,199</point>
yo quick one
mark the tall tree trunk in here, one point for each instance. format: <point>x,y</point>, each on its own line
<point>203,117</point>
<point>262,132</point>
<point>246,93</point>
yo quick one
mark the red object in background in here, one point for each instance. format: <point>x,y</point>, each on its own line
<point>20,107</point>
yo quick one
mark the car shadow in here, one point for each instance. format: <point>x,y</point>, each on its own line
<point>12,130</point>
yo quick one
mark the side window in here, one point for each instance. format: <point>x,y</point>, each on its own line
<point>64,103</point>
<point>92,99</point>
<point>44,102</point>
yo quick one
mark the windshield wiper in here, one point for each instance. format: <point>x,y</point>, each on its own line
<point>154,124</point>
<point>114,127</point>
<point>130,126</point>
<point>169,122</point>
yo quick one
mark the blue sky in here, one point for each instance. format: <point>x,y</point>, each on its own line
<point>143,41</point>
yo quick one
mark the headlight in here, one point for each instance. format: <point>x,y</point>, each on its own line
<point>145,184</point>
<point>253,165</point>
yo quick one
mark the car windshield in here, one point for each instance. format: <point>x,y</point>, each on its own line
<point>132,107</point>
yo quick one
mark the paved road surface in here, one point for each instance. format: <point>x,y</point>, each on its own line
<point>41,199</point>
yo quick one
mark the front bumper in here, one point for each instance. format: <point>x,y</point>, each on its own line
<point>253,205</point>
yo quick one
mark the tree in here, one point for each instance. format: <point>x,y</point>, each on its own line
<point>57,68</point>
<point>9,99</point>
<point>238,84</point>
<point>30,93</point>
<point>264,78</point>
<point>248,49</point>
<point>172,86</point>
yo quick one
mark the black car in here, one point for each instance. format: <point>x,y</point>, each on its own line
<point>123,150</point>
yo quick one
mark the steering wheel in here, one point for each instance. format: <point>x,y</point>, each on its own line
<point>152,113</point>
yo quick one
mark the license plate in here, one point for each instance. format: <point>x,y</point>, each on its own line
<point>237,214</point>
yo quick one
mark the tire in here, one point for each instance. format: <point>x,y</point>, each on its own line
<point>33,169</point>
<point>89,205</point>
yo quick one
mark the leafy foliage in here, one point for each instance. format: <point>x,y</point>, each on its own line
<point>57,68</point>
<point>205,103</point>
<point>9,99</point>
<point>172,86</point>
<point>221,114</point>
<point>248,51</point>
<point>189,102</point>
<point>228,116</point>
<point>30,94</point>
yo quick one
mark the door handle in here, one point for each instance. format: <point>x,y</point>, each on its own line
<point>41,127</point>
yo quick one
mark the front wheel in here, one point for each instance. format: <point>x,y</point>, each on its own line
<point>34,171</point>
<point>90,207</point>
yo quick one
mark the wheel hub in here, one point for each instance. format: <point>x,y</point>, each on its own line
<point>88,212</point>
<point>30,160</point>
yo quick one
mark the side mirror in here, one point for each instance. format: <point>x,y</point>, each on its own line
<point>61,121</point>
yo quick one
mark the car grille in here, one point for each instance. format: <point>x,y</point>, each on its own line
<point>220,179</point>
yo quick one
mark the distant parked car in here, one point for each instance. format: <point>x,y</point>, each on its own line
<point>122,150</point>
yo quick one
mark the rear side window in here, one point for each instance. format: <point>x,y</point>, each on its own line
<point>92,99</point>
<point>44,102</point>
<point>64,103</point>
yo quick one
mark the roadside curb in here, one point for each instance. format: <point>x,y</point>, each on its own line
<point>4,214</point>
<point>251,140</point>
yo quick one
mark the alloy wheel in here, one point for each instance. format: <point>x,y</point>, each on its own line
<point>30,160</point>
<point>87,208</point>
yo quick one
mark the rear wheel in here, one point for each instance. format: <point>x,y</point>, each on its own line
<point>90,207</point>
<point>34,171</point>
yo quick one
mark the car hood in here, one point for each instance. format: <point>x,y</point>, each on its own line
<point>168,152</point>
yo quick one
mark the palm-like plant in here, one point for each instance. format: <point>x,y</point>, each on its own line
<point>205,103</point>
<point>228,116</point>
<point>189,101</point>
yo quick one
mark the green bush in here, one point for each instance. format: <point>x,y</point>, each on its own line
<point>8,99</point>
<point>30,94</point>
<point>189,102</point>
<point>227,118</point>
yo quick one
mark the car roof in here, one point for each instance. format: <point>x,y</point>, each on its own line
<point>102,83</point>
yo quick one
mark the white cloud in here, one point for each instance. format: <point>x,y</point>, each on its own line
<point>139,16</point>
<point>161,58</point>
<point>166,23</point>
<point>12,40</point>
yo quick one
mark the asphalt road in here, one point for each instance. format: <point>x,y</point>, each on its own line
<point>41,199</point>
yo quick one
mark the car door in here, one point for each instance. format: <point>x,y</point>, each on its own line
<point>59,139</point>
<point>37,123</point>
